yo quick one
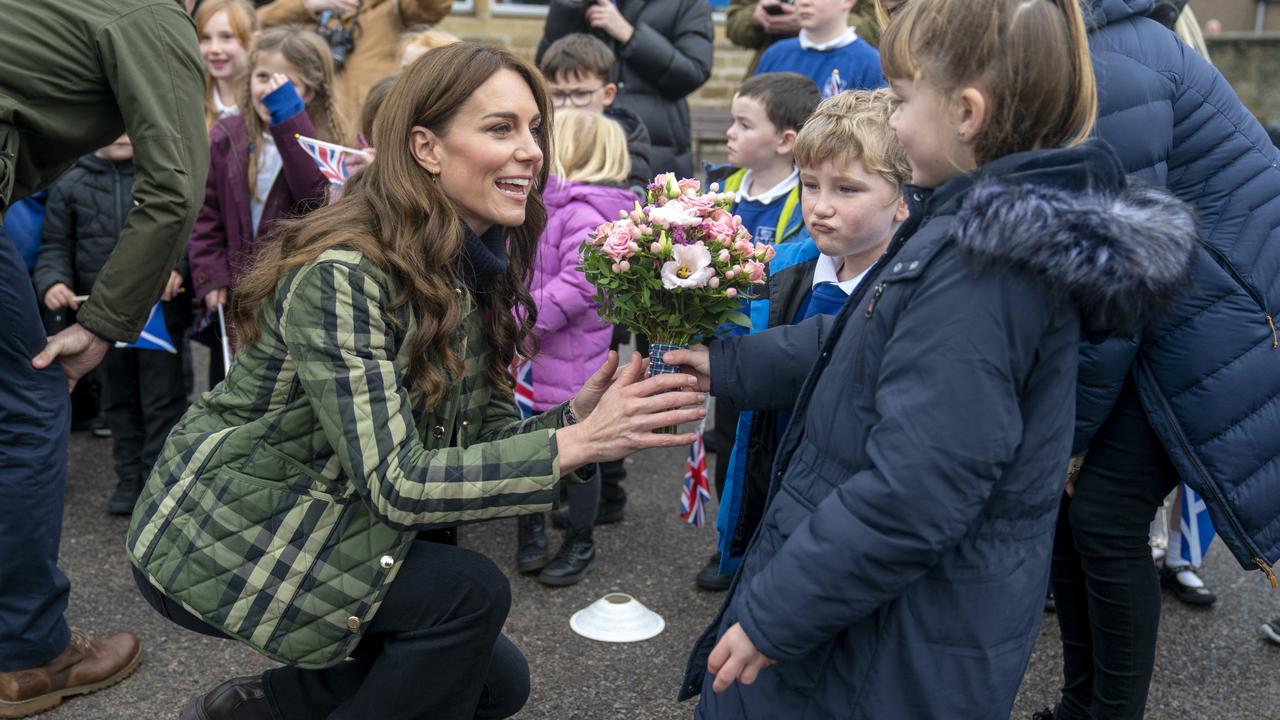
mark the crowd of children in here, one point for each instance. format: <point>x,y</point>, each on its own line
<point>872,197</point>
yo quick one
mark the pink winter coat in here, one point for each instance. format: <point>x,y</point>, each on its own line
<point>573,340</point>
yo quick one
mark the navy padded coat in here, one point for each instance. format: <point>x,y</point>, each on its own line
<point>1208,371</point>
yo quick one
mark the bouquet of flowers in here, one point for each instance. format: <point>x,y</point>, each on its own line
<point>675,269</point>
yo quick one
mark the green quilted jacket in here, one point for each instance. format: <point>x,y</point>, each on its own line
<point>285,498</point>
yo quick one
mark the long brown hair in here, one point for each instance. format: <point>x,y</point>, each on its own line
<point>308,53</point>
<point>398,217</point>
<point>244,23</point>
<point>1031,56</point>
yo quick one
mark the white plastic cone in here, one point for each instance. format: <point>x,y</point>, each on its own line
<point>617,617</point>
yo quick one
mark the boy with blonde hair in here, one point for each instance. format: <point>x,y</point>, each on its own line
<point>852,170</point>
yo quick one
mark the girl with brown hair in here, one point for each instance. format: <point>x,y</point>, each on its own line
<point>308,505</point>
<point>258,173</point>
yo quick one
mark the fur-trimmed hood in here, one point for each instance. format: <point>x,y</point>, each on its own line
<point>1121,258</point>
<point>1120,251</point>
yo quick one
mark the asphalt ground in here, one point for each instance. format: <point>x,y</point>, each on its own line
<point>1211,663</point>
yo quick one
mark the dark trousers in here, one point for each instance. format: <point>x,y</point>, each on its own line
<point>435,649</point>
<point>35,420</point>
<point>1104,581</point>
<point>143,396</point>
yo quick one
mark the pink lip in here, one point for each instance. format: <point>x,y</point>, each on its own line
<point>821,228</point>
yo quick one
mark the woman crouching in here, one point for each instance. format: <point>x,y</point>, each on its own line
<point>306,505</point>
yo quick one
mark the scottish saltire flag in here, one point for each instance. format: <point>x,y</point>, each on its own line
<point>522,371</point>
<point>330,158</point>
<point>833,86</point>
<point>697,488</point>
<point>1197,531</point>
<point>155,336</point>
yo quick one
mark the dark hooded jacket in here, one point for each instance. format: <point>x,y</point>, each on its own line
<point>84,216</point>
<point>900,566</point>
<point>667,58</point>
<point>639,148</point>
<point>1208,370</point>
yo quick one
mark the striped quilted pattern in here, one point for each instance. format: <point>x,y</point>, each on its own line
<point>286,496</point>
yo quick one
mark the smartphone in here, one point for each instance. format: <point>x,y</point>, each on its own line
<point>776,8</point>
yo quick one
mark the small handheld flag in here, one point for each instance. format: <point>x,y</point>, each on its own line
<point>522,372</point>
<point>222,335</point>
<point>697,488</point>
<point>154,336</point>
<point>1196,529</point>
<point>330,158</point>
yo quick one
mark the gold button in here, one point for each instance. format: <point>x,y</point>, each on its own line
<point>386,562</point>
<point>353,622</point>
<point>465,423</point>
<point>438,431</point>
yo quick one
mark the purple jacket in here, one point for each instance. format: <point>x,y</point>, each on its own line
<point>573,340</point>
<point>222,245</point>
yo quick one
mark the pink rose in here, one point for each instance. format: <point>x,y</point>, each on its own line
<point>618,245</point>
<point>754,271</point>
<point>689,185</point>
<point>731,292</point>
<point>719,231</point>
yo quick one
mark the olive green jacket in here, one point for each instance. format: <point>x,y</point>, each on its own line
<point>744,32</point>
<point>286,497</point>
<point>73,77</point>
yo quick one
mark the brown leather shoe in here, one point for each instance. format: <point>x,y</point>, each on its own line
<point>86,666</point>
<point>240,698</point>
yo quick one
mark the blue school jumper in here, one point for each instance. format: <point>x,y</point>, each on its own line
<point>774,220</point>
<point>847,63</point>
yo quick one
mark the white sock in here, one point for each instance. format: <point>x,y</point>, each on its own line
<point>1188,578</point>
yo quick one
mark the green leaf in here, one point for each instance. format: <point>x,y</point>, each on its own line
<point>740,319</point>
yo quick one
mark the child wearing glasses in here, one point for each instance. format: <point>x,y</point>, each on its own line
<point>578,68</point>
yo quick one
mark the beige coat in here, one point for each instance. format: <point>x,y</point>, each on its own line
<point>377,50</point>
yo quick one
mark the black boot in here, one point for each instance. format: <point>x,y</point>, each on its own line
<point>572,561</point>
<point>531,543</point>
<point>125,495</point>
<point>608,514</point>
<point>709,577</point>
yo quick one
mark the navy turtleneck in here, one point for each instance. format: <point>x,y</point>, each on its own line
<point>486,257</point>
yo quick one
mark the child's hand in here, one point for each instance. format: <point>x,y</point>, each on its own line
<point>278,80</point>
<point>695,359</point>
<point>358,161</point>
<point>604,15</point>
<point>59,296</point>
<point>736,659</point>
<point>173,287</point>
<point>214,298</point>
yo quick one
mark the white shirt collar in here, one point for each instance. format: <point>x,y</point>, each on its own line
<point>825,271</point>
<point>773,193</point>
<point>848,38</point>
<point>222,108</point>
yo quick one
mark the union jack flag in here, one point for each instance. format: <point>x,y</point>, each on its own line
<point>522,371</point>
<point>697,488</point>
<point>330,158</point>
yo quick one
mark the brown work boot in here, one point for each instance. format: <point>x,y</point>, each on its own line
<point>85,666</point>
<point>240,698</point>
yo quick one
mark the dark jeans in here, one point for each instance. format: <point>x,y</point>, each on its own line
<point>143,396</point>
<point>35,419</point>
<point>435,649</point>
<point>1104,581</point>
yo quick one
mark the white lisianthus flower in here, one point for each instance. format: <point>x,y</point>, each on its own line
<point>690,269</point>
<point>675,214</point>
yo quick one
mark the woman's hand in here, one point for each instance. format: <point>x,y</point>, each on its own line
<point>604,15</point>
<point>214,298</point>
<point>736,659</point>
<point>594,388</point>
<point>695,359</point>
<point>623,420</point>
<point>341,8</point>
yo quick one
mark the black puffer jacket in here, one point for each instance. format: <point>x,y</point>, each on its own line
<point>83,217</point>
<point>667,58</point>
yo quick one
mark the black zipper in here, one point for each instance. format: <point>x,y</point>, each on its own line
<point>862,339</point>
<point>1212,490</point>
<point>1224,263</point>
